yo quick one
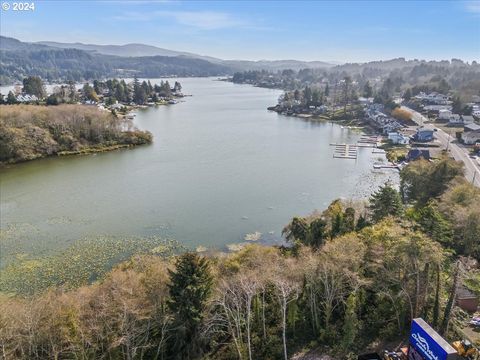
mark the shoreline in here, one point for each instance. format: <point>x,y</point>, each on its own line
<point>66,153</point>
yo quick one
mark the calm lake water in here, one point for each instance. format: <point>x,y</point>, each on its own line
<point>221,166</point>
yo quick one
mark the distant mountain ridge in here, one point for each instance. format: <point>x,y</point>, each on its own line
<point>78,61</point>
<point>20,59</point>
<point>136,50</point>
<point>127,50</point>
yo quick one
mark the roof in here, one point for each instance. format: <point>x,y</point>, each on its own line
<point>472,127</point>
<point>424,130</point>
<point>464,293</point>
<point>415,154</point>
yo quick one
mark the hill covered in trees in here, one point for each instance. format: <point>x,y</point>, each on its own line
<point>380,79</point>
<point>19,60</point>
<point>353,276</point>
<point>29,132</point>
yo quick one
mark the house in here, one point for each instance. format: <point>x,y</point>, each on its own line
<point>444,114</point>
<point>435,109</point>
<point>467,119</point>
<point>433,98</point>
<point>381,120</point>
<point>467,300</point>
<point>416,154</point>
<point>471,134</point>
<point>391,126</point>
<point>397,138</point>
<point>423,135</point>
<point>455,120</point>
<point>471,127</point>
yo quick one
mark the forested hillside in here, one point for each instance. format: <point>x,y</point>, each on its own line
<point>19,60</point>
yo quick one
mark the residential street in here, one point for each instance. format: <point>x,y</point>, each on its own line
<point>472,169</point>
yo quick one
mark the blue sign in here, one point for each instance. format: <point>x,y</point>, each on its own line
<point>428,343</point>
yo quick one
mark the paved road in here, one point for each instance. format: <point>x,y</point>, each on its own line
<point>459,153</point>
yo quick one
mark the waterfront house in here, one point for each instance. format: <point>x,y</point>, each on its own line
<point>397,138</point>
<point>381,120</point>
<point>391,126</point>
<point>423,135</point>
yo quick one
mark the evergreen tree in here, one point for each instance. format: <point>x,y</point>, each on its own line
<point>349,219</point>
<point>350,324</point>
<point>298,229</point>
<point>457,105</point>
<point>139,93</point>
<point>189,288</point>
<point>367,90</point>
<point>407,95</point>
<point>177,87</point>
<point>307,96</point>
<point>318,232</point>
<point>327,90</point>
<point>434,224</point>
<point>338,225</point>
<point>361,223</point>
<point>386,201</point>
<point>11,99</point>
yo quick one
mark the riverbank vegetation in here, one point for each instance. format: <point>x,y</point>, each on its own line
<point>352,279</point>
<point>113,94</point>
<point>29,132</point>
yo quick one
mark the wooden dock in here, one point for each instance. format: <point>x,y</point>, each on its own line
<point>386,166</point>
<point>368,141</point>
<point>345,151</point>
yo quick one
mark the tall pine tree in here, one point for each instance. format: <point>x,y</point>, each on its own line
<point>385,202</point>
<point>190,287</point>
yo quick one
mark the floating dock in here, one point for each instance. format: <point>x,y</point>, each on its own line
<point>345,151</point>
<point>386,166</point>
<point>368,141</point>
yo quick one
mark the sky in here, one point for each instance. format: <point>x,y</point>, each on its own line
<point>340,31</point>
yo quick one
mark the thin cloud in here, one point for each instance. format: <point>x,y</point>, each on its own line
<point>208,20</point>
<point>204,20</point>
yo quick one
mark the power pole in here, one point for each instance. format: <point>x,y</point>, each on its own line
<point>448,141</point>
